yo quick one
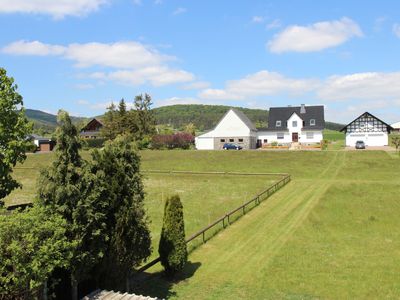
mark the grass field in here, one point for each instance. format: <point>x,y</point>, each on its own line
<point>332,233</point>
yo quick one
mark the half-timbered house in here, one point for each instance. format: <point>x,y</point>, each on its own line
<point>369,129</point>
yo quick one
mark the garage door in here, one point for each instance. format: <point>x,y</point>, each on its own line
<point>205,143</point>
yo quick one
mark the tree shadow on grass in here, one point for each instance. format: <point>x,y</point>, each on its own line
<point>158,284</point>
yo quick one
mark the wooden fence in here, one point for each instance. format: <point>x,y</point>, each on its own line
<point>227,219</point>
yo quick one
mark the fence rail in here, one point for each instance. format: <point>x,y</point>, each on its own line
<point>226,220</point>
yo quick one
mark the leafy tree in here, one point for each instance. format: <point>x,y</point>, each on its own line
<point>396,141</point>
<point>117,166</point>
<point>69,189</point>
<point>172,248</point>
<point>145,116</point>
<point>32,245</point>
<point>109,129</point>
<point>191,129</point>
<point>14,128</point>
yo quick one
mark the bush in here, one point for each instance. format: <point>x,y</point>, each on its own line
<point>172,248</point>
<point>274,144</point>
<point>94,143</point>
<point>180,140</point>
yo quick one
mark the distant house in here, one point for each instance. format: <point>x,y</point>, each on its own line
<point>234,127</point>
<point>369,129</point>
<point>92,129</point>
<point>43,144</point>
<point>292,124</point>
<point>396,127</point>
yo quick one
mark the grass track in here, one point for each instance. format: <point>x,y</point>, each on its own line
<point>304,242</point>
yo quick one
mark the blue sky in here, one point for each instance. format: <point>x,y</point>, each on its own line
<point>80,55</point>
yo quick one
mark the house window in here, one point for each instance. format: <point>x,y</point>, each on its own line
<point>294,124</point>
<point>312,122</point>
<point>265,141</point>
<point>240,140</point>
<point>231,140</point>
<point>222,140</point>
<point>278,123</point>
<point>280,135</point>
<point>310,135</point>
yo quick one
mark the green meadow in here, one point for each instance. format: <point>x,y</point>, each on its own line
<point>331,233</point>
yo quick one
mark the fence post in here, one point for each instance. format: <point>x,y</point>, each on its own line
<point>204,240</point>
<point>223,222</point>
<point>244,210</point>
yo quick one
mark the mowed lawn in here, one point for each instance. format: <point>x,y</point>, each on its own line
<point>331,233</point>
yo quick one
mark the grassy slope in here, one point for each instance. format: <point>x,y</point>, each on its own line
<point>331,233</point>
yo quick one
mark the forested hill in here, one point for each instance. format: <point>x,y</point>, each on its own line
<point>46,122</point>
<point>204,117</point>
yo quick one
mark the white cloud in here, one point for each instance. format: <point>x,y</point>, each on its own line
<point>33,48</point>
<point>274,24</point>
<point>178,100</point>
<point>156,75</point>
<point>55,8</point>
<point>84,86</point>
<point>396,29</point>
<point>137,2</point>
<point>257,19</point>
<point>179,10</point>
<point>262,83</point>
<point>363,86</point>
<point>314,37</point>
<point>134,63</point>
<point>82,102</point>
<point>197,85</point>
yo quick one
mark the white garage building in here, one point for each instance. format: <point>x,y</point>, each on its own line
<point>369,129</point>
<point>234,127</point>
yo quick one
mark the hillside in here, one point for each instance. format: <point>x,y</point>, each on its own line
<point>204,117</point>
<point>44,122</point>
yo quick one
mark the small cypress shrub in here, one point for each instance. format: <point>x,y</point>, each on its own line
<point>172,248</point>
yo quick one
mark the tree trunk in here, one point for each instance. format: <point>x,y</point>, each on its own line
<point>127,283</point>
<point>74,288</point>
<point>45,290</point>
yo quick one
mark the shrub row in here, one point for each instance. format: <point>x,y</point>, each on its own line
<point>180,140</point>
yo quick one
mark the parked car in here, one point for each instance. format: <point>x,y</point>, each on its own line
<point>360,145</point>
<point>229,146</point>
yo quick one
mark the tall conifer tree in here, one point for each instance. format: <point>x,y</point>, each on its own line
<point>172,248</point>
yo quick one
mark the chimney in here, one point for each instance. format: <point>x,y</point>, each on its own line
<point>303,109</point>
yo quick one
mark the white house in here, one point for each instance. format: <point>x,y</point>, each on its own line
<point>234,127</point>
<point>302,124</point>
<point>396,127</point>
<point>369,129</point>
<point>292,124</point>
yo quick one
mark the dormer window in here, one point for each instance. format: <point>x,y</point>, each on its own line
<point>312,122</point>
<point>278,123</point>
<point>294,124</point>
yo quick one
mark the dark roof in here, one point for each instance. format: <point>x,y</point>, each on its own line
<point>366,114</point>
<point>94,120</point>
<point>284,113</point>
<point>244,118</point>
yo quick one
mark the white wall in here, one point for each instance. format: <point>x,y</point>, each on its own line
<point>204,143</point>
<point>370,138</point>
<point>231,126</point>
<point>271,136</point>
<point>317,137</point>
<point>299,126</point>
